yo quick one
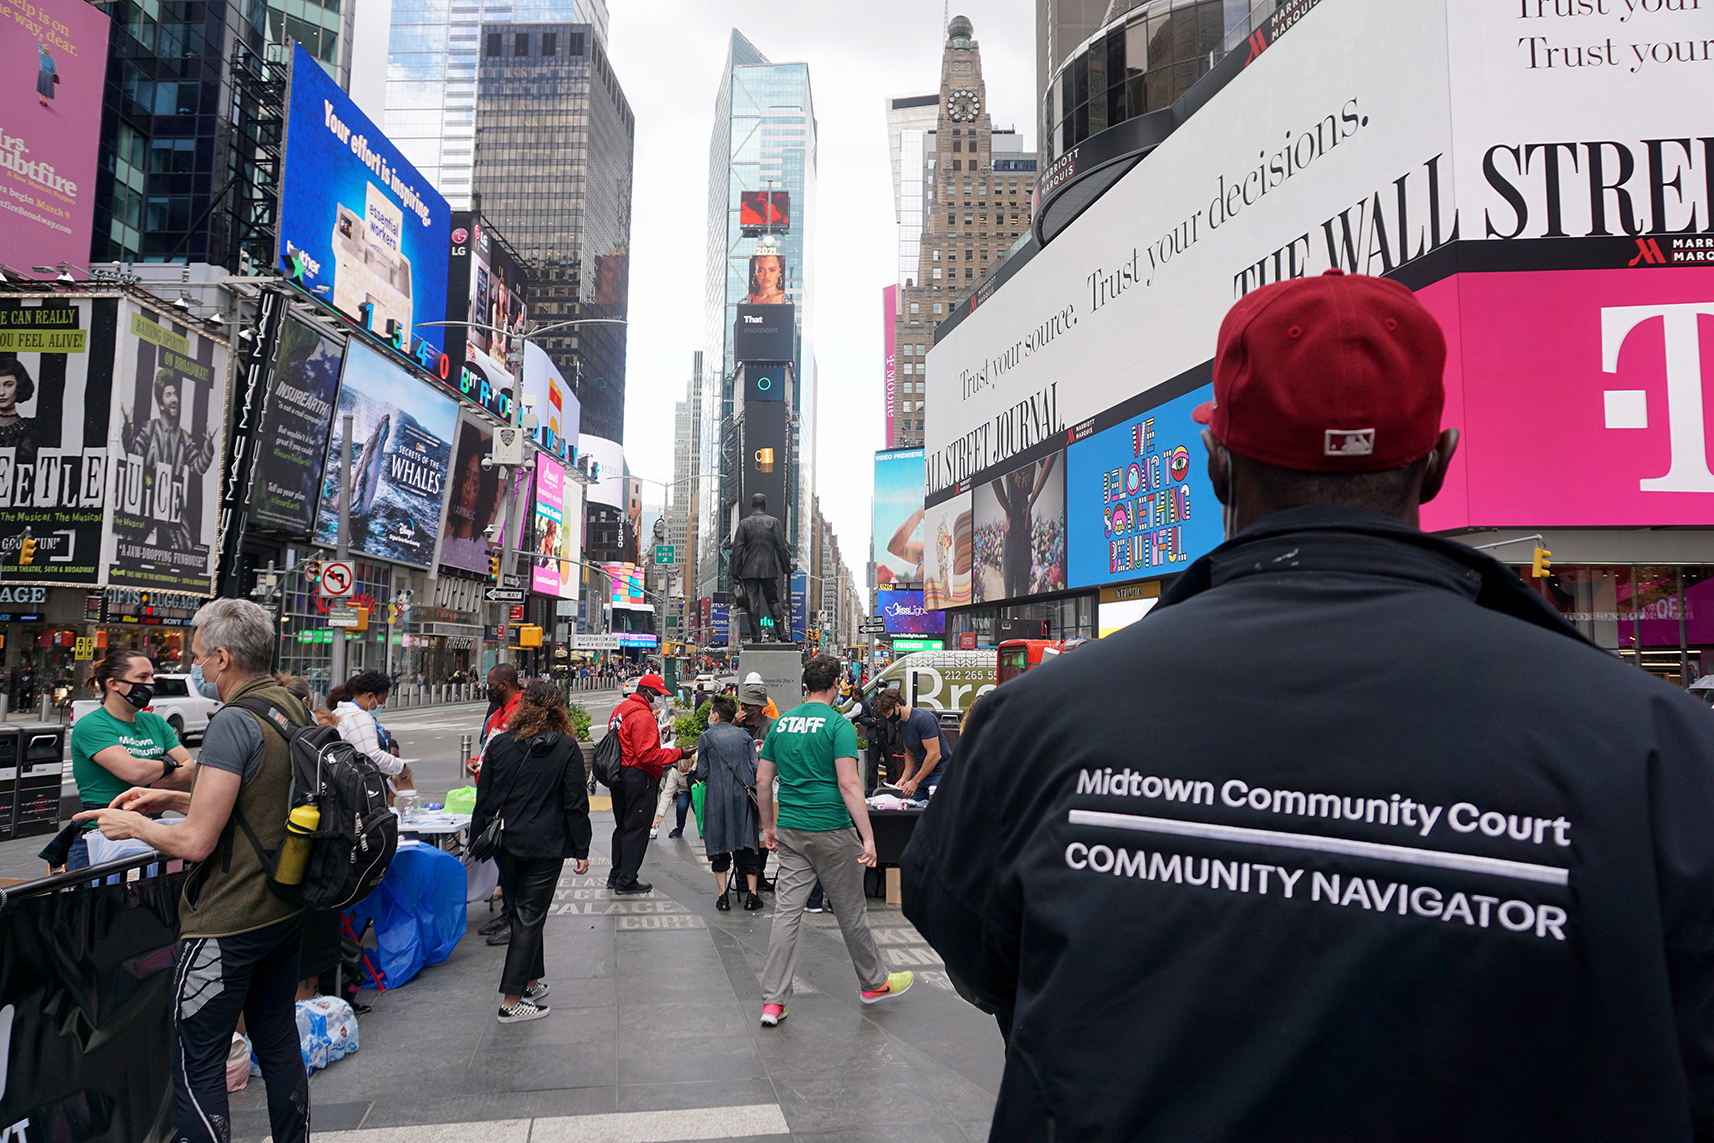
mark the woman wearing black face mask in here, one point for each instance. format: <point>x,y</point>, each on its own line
<point>119,745</point>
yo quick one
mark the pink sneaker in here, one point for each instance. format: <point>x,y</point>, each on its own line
<point>772,1014</point>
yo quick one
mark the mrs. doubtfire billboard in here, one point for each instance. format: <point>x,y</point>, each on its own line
<point>360,228</point>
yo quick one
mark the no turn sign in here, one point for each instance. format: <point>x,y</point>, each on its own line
<point>338,580</point>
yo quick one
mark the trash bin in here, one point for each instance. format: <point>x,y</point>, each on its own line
<point>40,752</point>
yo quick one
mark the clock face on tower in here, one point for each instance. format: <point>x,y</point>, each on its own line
<point>963,105</point>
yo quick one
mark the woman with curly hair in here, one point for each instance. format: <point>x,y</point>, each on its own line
<point>532,781</point>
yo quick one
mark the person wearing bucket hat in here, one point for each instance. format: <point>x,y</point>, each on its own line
<point>1375,820</point>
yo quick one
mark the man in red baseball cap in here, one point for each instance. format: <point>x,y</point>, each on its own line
<point>642,758</point>
<point>1377,846</point>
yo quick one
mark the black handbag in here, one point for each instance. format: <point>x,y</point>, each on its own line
<point>485,845</point>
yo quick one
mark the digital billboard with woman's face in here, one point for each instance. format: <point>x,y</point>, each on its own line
<point>767,279</point>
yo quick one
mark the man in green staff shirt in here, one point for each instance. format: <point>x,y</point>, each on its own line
<point>823,833</point>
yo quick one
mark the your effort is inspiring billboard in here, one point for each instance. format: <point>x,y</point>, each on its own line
<point>1542,182</point>
<point>360,228</point>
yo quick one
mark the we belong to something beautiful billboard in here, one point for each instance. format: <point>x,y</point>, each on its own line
<point>54,69</point>
<point>360,228</point>
<point>1440,142</point>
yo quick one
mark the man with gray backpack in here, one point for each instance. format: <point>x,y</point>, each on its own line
<point>242,913</point>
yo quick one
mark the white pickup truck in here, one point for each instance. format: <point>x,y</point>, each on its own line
<point>185,711</point>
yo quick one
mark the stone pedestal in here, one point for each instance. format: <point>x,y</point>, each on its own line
<point>781,668</point>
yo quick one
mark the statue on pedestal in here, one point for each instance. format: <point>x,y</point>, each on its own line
<point>760,557</point>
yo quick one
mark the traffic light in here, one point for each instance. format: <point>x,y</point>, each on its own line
<point>1543,561</point>
<point>27,550</point>
<point>494,568</point>
<point>312,571</point>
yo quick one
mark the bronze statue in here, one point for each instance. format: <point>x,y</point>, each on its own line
<point>759,557</point>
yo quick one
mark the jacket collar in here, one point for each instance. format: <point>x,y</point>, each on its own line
<point>1333,537</point>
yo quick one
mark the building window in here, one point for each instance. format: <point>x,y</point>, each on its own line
<point>937,307</point>
<point>916,307</point>
<point>969,271</point>
<point>576,46</point>
<point>984,255</point>
<point>937,273</point>
<point>550,43</point>
<point>957,146</point>
<point>958,164</point>
<point>494,41</point>
<point>937,255</point>
<point>521,44</point>
<point>952,220</point>
<point>967,218</point>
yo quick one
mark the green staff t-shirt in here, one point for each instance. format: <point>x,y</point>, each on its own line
<point>802,745</point>
<point>148,737</point>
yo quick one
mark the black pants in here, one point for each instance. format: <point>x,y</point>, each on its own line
<point>217,978</point>
<point>748,861</point>
<point>634,798</point>
<point>530,882</point>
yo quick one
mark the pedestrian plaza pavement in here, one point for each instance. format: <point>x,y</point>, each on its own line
<point>654,1034</point>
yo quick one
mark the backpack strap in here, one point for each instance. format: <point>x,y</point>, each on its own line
<point>271,715</point>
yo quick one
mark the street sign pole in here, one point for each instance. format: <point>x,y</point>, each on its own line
<point>337,675</point>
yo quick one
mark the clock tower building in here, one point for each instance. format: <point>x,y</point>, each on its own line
<point>975,205</point>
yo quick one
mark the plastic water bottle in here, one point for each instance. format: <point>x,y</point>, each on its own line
<point>294,854</point>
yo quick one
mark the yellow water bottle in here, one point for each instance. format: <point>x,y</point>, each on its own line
<point>294,854</point>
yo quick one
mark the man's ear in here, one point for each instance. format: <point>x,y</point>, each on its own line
<point>1219,466</point>
<point>1439,461</point>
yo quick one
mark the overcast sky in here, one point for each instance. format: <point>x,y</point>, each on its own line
<point>668,54</point>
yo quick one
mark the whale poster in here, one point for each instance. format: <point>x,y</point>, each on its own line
<point>401,447</point>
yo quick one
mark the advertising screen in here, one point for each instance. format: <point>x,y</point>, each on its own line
<point>292,446</point>
<point>474,502</point>
<point>401,449</point>
<point>947,539</point>
<point>889,351</point>
<point>800,604</point>
<point>551,572</point>
<point>625,585</point>
<point>767,278</point>
<point>360,228</point>
<point>1139,503</point>
<point>1018,532</point>
<point>50,128</point>
<point>1119,607</point>
<point>56,377</point>
<point>487,295</point>
<point>163,437</point>
<point>608,459</point>
<point>896,531</point>
<point>763,333</point>
<point>904,614</point>
<point>558,413</point>
<point>765,211</point>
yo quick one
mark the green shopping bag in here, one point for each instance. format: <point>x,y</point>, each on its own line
<point>698,792</point>
<point>461,800</point>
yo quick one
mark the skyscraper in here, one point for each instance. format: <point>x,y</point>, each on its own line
<point>763,144</point>
<point>976,203</point>
<point>910,124</point>
<point>432,58</point>
<point>552,174</point>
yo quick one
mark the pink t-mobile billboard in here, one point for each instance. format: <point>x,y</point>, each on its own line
<point>1583,396</point>
<point>52,67</point>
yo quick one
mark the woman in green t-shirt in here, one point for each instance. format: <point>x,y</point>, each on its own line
<point>119,745</point>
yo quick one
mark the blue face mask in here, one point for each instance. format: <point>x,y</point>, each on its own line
<point>202,686</point>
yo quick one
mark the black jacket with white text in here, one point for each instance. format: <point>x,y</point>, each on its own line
<point>1350,839</point>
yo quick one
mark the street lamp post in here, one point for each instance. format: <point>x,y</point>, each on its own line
<point>507,554</point>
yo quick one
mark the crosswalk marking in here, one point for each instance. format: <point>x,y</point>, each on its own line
<point>708,1123</point>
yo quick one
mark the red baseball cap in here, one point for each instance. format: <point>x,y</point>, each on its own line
<point>1341,373</point>
<point>654,683</point>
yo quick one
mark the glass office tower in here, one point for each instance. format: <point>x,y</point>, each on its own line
<point>764,140</point>
<point>432,56</point>
<point>553,175</point>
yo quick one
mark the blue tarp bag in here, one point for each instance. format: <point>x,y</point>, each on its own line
<point>418,911</point>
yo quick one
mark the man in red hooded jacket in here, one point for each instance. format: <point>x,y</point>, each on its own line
<point>642,759</point>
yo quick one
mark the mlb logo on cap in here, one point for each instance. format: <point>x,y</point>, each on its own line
<point>1341,373</point>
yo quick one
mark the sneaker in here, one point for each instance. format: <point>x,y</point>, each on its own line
<point>815,908</point>
<point>772,1014</point>
<point>537,992</point>
<point>492,927</point>
<point>897,982</point>
<point>676,833</point>
<point>524,1009</point>
<point>753,902</point>
<point>723,903</point>
<point>503,937</point>
<point>654,832</point>
<point>637,886</point>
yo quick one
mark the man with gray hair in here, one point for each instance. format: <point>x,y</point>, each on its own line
<point>238,942</point>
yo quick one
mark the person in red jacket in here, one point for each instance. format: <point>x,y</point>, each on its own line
<point>641,760</point>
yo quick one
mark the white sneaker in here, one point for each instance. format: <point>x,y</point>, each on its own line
<point>654,832</point>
